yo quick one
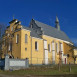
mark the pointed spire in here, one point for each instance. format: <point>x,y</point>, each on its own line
<point>57,23</point>
<point>57,20</point>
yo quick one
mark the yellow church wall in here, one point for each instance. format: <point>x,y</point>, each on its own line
<point>25,53</point>
<point>16,48</point>
<point>37,55</point>
<point>68,50</point>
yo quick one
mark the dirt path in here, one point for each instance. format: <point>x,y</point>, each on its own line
<point>1,75</point>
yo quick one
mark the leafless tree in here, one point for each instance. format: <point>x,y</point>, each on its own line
<point>2,31</point>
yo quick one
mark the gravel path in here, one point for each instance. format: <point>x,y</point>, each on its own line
<point>1,75</point>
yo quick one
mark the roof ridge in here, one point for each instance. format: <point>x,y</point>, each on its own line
<point>52,31</point>
<point>48,25</point>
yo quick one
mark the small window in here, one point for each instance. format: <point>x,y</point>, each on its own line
<point>17,38</point>
<point>36,46</point>
<point>49,47</point>
<point>25,38</point>
<point>25,49</point>
<point>12,28</point>
<point>10,47</point>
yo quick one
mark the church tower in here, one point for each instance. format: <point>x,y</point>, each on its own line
<point>57,23</point>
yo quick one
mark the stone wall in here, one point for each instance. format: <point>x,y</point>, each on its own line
<point>15,64</point>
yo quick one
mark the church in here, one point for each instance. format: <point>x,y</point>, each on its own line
<point>40,43</point>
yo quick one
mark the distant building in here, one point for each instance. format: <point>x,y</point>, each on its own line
<point>41,43</point>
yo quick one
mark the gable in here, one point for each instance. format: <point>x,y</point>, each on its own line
<point>51,31</point>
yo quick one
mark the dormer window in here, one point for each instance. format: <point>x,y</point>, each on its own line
<point>12,28</point>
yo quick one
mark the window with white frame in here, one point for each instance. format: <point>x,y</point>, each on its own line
<point>53,45</point>
<point>26,38</point>
<point>36,45</point>
<point>60,46</point>
<point>49,47</point>
<point>17,38</point>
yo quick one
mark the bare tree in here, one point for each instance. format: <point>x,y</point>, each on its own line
<point>2,31</point>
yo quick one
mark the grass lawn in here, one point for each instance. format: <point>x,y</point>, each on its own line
<point>43,70</point>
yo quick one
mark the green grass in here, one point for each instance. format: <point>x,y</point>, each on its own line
<point>43,70</point>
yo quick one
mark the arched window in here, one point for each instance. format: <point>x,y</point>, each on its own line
<point>17,38</point>
<point>36,45</point>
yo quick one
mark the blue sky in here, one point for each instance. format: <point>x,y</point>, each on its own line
<point>44,11</point>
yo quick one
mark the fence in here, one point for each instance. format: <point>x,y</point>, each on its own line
<point>40,61</point>
<point>14,64</point>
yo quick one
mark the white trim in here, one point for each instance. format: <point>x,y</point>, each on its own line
<point>46,56</point>
<point>45,44</point>
<point>58,39</point>
<point>53,45</point>
<point>37,38</point>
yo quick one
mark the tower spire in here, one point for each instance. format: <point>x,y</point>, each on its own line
<point>57,20</point>
<point>57,23</point>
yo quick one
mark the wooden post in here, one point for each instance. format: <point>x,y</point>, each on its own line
<point>60,60</point>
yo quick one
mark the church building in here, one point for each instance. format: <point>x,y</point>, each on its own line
<point>40,43</point>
